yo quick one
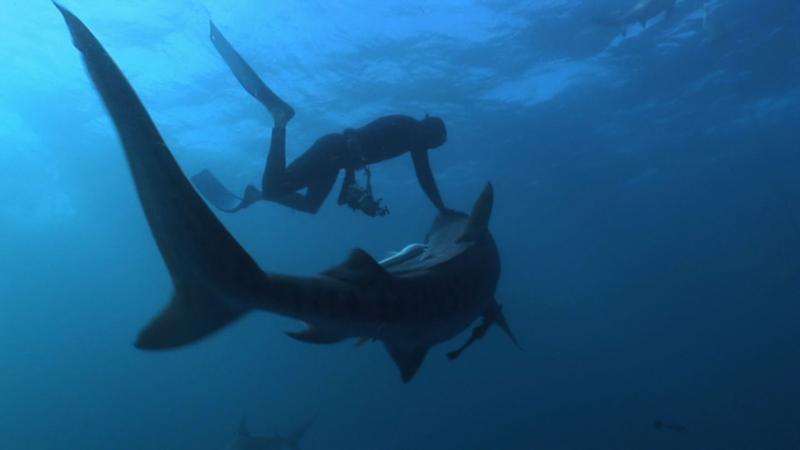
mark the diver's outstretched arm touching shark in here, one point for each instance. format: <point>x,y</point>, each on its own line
<point>317,169</point>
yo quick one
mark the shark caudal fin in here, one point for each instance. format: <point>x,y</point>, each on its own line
<point>210,270</point>
<point>478,221</point>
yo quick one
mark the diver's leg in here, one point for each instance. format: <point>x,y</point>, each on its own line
<point>273,183</point>
<point>314,167</point>
<point>318,192</point>
<point>280,110</point>
<point>314,197</point>
<point>347,183</point>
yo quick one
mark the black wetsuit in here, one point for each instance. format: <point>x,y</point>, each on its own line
<point>318,167</point>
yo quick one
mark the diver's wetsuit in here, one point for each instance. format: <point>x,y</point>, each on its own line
<point>318,167</point>
<point>351,150</point>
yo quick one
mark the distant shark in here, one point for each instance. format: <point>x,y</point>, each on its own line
<point>640,13</point>
<point>419,300</point>
<point>246,441</point>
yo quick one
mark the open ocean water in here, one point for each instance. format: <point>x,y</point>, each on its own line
<point>647,213</point>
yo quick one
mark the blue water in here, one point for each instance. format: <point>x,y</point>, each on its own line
<point>647,212</point>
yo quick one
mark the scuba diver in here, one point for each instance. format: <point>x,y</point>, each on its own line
<point>317,169</point>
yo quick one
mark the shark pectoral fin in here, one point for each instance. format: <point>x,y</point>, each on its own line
<point>314,335</point>
<point>501,322</point>
<point>478,221</point>
<point>360,268</point>
<point>407,360</point>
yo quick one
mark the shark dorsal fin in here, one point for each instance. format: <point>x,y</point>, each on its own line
<point>407,360</point>
<point>478,221</point>
<point>243,430</point>
<point>359,268</point>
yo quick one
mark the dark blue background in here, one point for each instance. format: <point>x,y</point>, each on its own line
<point>646,211</point>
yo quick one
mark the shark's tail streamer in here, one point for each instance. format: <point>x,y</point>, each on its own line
<point>211,272</point>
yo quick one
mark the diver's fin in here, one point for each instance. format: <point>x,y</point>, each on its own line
<point>479,217</point>
<point>407,360</point>
<point>293,441</point>
<point>243,430</point>
<point>360,268</point>
<point>314,335</point>
<point>219,196</point>
<point>209,268</point>
<point>250,81</point>
<point>500,319</point>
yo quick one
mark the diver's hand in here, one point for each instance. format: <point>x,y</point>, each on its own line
<point>373,208</point>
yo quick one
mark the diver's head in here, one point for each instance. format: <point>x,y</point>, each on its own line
<point>433,131</point>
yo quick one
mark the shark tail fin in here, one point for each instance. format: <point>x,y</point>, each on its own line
<point>212,273</point>
<point>189,317</point>
<point>293,441</point>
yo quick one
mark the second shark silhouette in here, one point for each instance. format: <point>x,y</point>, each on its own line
<point>247,441</point>
<point>409,305</point>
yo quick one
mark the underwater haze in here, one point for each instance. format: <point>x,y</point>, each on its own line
<point>647,213</point>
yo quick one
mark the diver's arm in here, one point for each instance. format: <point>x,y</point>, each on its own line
<point>425,176</point>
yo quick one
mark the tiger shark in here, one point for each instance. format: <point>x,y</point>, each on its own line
<point>420,300</point>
